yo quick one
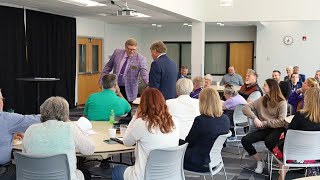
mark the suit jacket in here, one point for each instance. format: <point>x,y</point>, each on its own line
<point>203,133</point>
<point>163,76</point>
<point>302,78</point>
<point>285,88</point>
<point>136,66</point>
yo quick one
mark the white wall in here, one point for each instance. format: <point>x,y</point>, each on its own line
<point>272,53</point>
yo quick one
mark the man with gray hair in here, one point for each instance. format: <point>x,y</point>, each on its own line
<point>99,105</point>
<point>11,124</point>
<point>183,108</point>
<point>163,71</point>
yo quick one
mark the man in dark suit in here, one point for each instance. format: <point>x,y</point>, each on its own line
<point>302,77</point>
<point>163,71</point>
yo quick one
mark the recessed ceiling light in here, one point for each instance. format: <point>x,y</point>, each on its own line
<point>189,25</point>
<point>226,3</point>
<point>221,24</point>
<point>159,25</point>
<point>140,15</point>
<point>87,3</point>
<point>185,24</point>
<point>102,14</point>
<point>154,24</point>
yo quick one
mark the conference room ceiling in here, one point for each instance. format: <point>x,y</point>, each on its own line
<point>105,13</point>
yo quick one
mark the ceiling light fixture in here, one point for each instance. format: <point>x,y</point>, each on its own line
<point>226,3</point>
<point>189,25</point>
<point>140,15</point>
<point>159,25</point>
<point>86,3</point>
<point>185,24</point>
<point>154,24</point>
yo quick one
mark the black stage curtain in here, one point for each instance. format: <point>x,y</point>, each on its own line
<point>51,43</point>
<point>12,56</point>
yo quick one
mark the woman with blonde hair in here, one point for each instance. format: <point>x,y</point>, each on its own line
<point>152,127</point>
<point>205,130</point>
<point>296,97</point>
<point>307,119</point>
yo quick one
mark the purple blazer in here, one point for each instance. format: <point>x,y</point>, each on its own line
<point>137,65</point>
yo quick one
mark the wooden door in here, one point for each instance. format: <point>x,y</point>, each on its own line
<point>89,67</point>
<point>241,57</point>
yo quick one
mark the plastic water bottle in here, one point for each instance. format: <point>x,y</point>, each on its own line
<point>111,117</point>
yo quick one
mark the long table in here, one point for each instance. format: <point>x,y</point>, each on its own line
<point>102,149</point>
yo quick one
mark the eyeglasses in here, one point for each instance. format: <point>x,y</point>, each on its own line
<point>130,49</point>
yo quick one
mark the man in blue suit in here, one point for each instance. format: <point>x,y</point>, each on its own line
<point>163,72</point>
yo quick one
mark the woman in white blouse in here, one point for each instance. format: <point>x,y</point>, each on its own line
<point>54,136</point>
<point>152,127</point>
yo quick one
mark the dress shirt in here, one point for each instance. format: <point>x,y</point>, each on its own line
<point>184,109</point>
<point>12,123</point>
<point>234,79</point>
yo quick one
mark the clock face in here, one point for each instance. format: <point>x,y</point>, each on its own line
<point>288,40</point>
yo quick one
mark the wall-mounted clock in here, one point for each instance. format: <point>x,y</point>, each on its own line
<point>287,40</point>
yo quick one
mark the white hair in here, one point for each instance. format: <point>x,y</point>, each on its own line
<point>184,86</point>
<point>208,76</point>
<point>289,68</point>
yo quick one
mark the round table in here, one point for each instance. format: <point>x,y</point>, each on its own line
<point>101,148</point>
<point>309,178</point>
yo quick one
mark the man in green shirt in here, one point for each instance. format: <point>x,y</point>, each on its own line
<point>99,105</point>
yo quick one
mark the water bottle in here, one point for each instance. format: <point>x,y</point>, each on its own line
<point>111,117</point>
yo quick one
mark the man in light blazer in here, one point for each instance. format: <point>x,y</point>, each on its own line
<point>163,71</point>
<point>127,64</point>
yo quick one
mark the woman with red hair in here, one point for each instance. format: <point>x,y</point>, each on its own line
<point>152,127</point>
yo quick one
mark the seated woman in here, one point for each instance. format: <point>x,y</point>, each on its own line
<point>296,97</point>
<point>307,119</point>
<point>271,111</point>
<point>198,83</point>
<point>55,136</point>
<point>205,130</point>
<point>183,108</point>
<point>151,128</point>
<point>233,99</point>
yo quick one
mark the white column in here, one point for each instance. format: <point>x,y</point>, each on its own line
<point>197,49</point>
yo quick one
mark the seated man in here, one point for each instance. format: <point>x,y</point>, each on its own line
<point>183,108</point>
<point>251,91</point>
<point>99,105</point>
<point>295,83</point>
<point>198,83</point>
<point>183,72</point>
<point>11,123</point>
<point>284,85</point>
<point>302,77</point>
<point>207,80</point>
<point>232,78</point>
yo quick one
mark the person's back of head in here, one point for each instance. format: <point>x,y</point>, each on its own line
<point>184,86</point>
<point>109,81</point>
<point>54,108</point>
<point>154,111</point>
<point>230,90</point>
<point>312,104</point>
<point>159,47</point>
<point>209,103</point>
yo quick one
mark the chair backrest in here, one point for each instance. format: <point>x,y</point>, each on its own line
<point>215,152</point>
<point>238,116</point>
<point>38,167</point>
<point>301,145</point>
<point>166,164</point>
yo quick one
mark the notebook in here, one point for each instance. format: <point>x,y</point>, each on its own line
<point>118,139</point>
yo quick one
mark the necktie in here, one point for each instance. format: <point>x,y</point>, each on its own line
<point>123,68</point>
